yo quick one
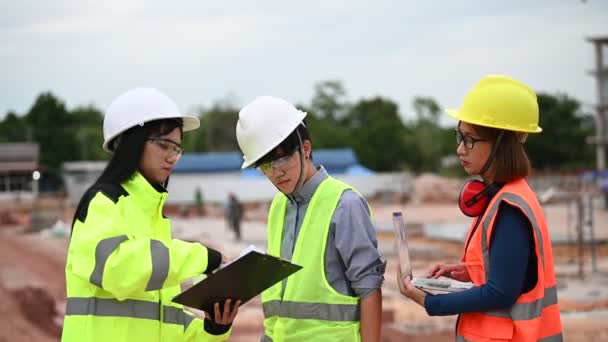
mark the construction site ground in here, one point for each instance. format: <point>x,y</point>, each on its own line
<point>32,283</point>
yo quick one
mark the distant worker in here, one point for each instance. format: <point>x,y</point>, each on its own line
<point>508,254</point>
<point>123,266</point>
<point>604,190</point>
<point>234,215</point>
<point>317,222</point>
<point>199,201</point>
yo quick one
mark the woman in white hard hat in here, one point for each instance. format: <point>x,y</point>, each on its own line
<point>315,221</point>
<point>507,254</point>
<point>123,266</point>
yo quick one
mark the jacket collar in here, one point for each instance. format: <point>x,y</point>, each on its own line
<point>149,197</point>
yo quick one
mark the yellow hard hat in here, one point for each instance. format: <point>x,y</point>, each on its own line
<point>500,102</point>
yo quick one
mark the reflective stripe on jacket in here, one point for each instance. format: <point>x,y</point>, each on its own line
<point>535,315</point>
<point>310,309</point>
<point>124,268</point>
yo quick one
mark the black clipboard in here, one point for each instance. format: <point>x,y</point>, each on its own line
<point>243,279</point>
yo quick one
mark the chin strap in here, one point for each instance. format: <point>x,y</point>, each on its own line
<point>298,186</point>
<point>486,166</point>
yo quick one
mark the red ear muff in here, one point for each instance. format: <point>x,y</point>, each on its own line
<point>473,198</point>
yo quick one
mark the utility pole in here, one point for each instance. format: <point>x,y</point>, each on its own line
<point>601,77</point>
<point>580,222</point>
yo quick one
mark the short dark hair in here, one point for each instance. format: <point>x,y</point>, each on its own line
<point>511,161</point>
<point>289,145</point>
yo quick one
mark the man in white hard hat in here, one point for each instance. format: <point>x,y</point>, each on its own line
<point>315,221</point>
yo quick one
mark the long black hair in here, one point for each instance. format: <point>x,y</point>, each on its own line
<point>128,149</point>
<point>127,155</point>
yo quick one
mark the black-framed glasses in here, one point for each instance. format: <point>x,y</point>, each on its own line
<point>169,147</point>
<point>469,141</point>
<point>266,167</point>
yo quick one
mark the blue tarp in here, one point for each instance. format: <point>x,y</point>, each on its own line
<point>595,175</point>
<point>336,161</point>
<point>209,162</point>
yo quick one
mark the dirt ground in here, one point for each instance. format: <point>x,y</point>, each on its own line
<point>32,286</point>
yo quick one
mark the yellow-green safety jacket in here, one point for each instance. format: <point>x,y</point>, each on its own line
<point>124,268</point>
<point>310,309</point>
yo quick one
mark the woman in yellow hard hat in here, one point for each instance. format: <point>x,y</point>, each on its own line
<point>507,254</point>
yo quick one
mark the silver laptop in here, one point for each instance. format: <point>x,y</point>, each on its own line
<point>441,284</point>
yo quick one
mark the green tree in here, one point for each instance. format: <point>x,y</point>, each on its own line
<point>14,129</point>
<point>194,141</point>
<point>426,139</point>
<point>562,144</point>
<point>324,132</point>
<point>219,128</point>
<point>326,115</point>
<point>376,131</point>
<point>51,127</point>
<point>328,101</point>
<point>426,108</point>
<point>87,127</point>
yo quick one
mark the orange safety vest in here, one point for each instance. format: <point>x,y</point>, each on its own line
<point>535,315</point>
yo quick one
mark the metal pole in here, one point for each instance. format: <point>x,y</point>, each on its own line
<point>589,223</point>
<point>579,234</point>
<point>601,120</point>
<point>570,219</point>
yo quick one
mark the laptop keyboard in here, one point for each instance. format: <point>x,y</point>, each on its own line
<point>433,282</point>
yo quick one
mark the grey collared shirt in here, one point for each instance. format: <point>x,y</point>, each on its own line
<point>352,261</point>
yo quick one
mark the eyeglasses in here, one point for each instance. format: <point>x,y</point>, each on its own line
<point>169,147</point>
<point>469,141</point>
<point>266,167</point>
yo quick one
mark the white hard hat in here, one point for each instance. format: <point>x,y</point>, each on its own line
<point>263,124</point>
<point>138,106</point>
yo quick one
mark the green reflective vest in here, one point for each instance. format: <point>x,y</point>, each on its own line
<point>310,309</point>
<point>123,268</point>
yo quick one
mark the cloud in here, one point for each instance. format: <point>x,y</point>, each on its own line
<point>91,51</point>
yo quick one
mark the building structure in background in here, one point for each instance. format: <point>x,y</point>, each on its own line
<point>218,173</point>
<point>600,72</point>
<point>19,170</point>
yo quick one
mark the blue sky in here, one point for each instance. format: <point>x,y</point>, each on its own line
<point>199,52</point>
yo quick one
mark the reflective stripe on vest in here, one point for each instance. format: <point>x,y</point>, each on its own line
<point>526,311</point>
<point>486,226</point>
<point>554,338</point>
<point>519,311</point>
<point>130,308</point>
<point>159,254</point>
<point>320,311</point>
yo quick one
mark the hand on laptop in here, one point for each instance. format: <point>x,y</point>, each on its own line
<point>454,271</point>
<point>409,290</point>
